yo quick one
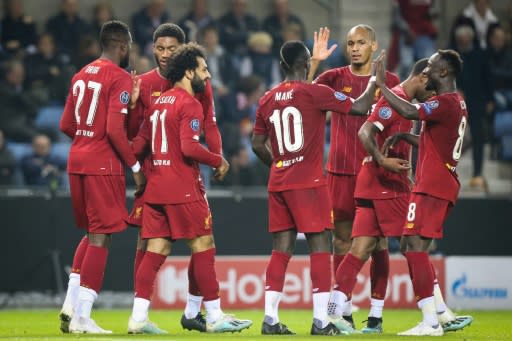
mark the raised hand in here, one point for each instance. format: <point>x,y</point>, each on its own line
<point>136,81</point>
<point>320,43</point>
<point>380,69</point>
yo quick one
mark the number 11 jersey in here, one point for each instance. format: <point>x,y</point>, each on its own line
<point>292,115</point>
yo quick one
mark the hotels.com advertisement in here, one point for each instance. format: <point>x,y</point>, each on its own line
<point>242,283</point>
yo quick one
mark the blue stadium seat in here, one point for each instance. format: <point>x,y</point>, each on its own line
<point>49,117</point>
<point>503,123</point>
<point>506,145</point>
<point>61,150</point>
<point>19,150</point>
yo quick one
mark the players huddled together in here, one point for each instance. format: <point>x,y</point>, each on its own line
<point>153,122</point>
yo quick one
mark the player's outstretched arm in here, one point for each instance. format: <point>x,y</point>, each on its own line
<point>320,50</point>
<point>367,137</point>
<point>260,148</point>
<point>402,107</point>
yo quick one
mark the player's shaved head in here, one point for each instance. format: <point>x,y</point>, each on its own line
<point>294,54</point>
<point>453,61</point>
<point>418,67</point>
<point>371,32</point>
<point>114,32</point>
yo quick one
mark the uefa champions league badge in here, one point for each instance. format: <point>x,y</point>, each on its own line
<point>385,113</point>
<point>429,106</point>
<point>194,124</point>
<point>124,97</point>
<point>340,96</point>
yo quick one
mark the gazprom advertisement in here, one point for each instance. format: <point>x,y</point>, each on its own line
<point>479,282</point>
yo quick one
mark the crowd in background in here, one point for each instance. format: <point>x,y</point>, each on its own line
<point>243,58</point>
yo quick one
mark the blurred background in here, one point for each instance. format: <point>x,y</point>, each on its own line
<point>43,43</point>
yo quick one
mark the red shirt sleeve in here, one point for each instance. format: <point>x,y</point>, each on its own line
<point>326,78</point>
<point>140,143</point>
<point>135,118</point>
<point>382,115</point>
<point>211,130</point>
<point>326,99</point>
<point>192,120</point>
<point>68,121</point>
<point>119,97</point>
<point>435,109</point>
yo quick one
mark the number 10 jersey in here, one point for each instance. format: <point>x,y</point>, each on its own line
<point>292,115</point>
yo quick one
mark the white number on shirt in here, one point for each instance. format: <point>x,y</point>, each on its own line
<point>281,122</point>
<point>457,149</point>
<point>411,212</point>
<point>154,118</point>
<point>79,90</point>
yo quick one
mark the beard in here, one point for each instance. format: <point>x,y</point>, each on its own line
<point>430,86</point>
<point>198,84</point>
<point>125,61</point>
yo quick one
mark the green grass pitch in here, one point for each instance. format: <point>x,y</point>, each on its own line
<point>44,325</point>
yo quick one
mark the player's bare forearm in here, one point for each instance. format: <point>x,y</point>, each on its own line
<point>367,136</point>
<point>412,139</point>
<point>363,103</point>
<point>312,70</point>
<point>402,107</point>
<point>261,150</point>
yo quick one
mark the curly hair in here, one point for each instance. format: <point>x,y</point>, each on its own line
<point>169,30</point>
<point>183,59</point>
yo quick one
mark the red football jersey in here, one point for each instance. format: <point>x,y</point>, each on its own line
<point>444,123</point>
<point>175,120</point>
<point>373,181</point>
<point>152,86</point>
<point>292,115</point>
<point>346,152</point>
<point>98,90</point>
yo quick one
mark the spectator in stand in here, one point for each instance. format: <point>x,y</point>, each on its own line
<point>101,13</point>
<point>275,23</point>
<point>414,33</point>
<point>500,62</point>
<point>19,108</point>
<point>219,62</point>
<point>236,26</point>
<point>18,30</point>
<point>145,22</point>
<point>67,27</point>
<point>41,168</point>
<point>7,163</point>
<point>474,83</point>
<point>88,50</point>
<point>48,71</point>
<point>196,19</point>
<point>260,61</point>
<point>482,15</point>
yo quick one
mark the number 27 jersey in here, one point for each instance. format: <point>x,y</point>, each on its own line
<point>292,115</point>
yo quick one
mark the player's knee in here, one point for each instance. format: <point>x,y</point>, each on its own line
<point>201,243</point>
<point>161,246</point>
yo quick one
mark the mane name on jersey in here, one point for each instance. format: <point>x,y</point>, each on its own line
<point>166,99</point>
<point>92,69</point>
<point>284,96</point>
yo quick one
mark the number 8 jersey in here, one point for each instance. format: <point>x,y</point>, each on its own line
<point>292,115</point>
<point>444,123</point>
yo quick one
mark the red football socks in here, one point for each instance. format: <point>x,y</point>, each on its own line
<point>146,275</point>
<point>193,289</point>
<point>276,270</point>
<point>93,267</point>
<point>320,271</point>
<point>204,274</point>
<point>79,255</point>
<point>346,275</point>
<point>139,255</point>
<point>421,274</point>
<point>379,273</point>
<point>336,261</point>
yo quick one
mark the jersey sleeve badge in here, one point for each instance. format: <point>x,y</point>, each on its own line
<point>124,98</point>
<point>340,96</point>
<point>385,113</point>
